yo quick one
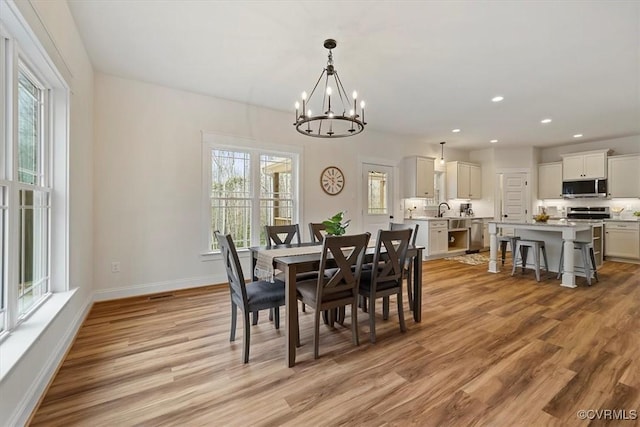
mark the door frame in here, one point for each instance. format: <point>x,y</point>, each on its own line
<point>395,201</point>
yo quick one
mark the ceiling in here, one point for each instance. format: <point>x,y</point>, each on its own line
<point>423,67</point>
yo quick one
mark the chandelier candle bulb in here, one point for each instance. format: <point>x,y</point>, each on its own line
<point>362,108</point>
<point>297,107</point>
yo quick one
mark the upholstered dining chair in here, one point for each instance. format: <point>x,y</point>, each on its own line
<point>386,279</point>
<point>407,263</point>
<point>249,297</point>
<point>316,231</point>
<point>282,234</point>
<point>340,288</point>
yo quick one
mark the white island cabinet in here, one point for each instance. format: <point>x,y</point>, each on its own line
<point>555,235</point>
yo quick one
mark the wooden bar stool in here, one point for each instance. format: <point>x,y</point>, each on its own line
<point>586,249</point>
<point>522,249</point>
<point>504,240</point>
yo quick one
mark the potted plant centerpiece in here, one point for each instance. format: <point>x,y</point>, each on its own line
<point>336,225</point>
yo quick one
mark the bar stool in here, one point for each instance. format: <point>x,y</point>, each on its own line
<point>586,249</point>
<point>522,248</point>
<point>503,246</point>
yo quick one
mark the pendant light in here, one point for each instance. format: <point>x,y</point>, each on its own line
<point>442,152</point>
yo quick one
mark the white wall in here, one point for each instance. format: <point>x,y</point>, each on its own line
<point>148,178</point>
<point>21,388</point>
<point>625,145</point>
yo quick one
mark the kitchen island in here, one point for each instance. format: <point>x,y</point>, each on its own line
<point>554,234</point>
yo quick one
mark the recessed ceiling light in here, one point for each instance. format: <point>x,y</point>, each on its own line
<point>493,141</point>
<point>577,135</point>
<point>545,121</point>
<point>497,98</point>
<point>455,130</point>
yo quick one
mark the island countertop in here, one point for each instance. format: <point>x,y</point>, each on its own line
<point>556,235</point>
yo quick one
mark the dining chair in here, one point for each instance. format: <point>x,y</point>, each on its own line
<point>249,297</point>
<point>340,288</point>
<point>317,231</point>
<point>282,234</point>
<point>386,279</point>
<point>407,263</point>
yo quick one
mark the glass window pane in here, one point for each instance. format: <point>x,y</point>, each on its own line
<point>231,196</point>
<point>33,279</point>
<point>276,192</point>
<point>29,129</point>
<point>377,188</point>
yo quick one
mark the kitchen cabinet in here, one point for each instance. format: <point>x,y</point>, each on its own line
<point>464,180</point>
<point>418,177</point>
<point>438,237</point>
<point>550,180</point>
<point>622,239</point>
<point>583,166</point>
<point>624,176</point>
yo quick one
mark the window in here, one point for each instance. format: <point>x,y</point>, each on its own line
<point>377,189</point>
<point>31,230</point>
<point>246,189</point>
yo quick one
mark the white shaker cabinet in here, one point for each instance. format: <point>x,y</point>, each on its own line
<point>550,180</point>
<point>464,180</point>
<point>583,166</point>
<point>418,177</point>
<point>622,239</point>
<point>624,176</point>
<point>438,237</point>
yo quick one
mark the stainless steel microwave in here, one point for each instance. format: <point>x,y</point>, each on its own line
<point>581,189</point>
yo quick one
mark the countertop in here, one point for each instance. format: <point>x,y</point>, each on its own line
<point>636,219</point>
<point>436,218</point>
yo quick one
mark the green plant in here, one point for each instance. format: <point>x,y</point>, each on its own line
<point>335,225</point>
<point>636,213</point>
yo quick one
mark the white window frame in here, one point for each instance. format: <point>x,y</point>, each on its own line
<point>255,148</point>
<point>21,50</point>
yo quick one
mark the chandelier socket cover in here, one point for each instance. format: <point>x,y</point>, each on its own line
<point>333,121</point>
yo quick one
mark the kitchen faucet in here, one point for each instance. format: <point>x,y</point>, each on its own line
<point>440,214</point>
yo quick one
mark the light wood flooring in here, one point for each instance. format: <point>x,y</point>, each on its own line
<point>491,350</point>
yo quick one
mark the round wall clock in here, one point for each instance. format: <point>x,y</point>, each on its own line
<point>332,180</point>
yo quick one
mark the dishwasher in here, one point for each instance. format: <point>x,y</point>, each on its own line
<point>475,236</point>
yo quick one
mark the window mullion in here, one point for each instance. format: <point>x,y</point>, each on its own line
<point>255,197</point>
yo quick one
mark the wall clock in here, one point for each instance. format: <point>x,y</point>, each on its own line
<point>332,180</point>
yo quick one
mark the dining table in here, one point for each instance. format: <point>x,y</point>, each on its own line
<point>301,261</point>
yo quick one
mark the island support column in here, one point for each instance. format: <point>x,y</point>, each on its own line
<point>568,274</point>
<point>493,248</point>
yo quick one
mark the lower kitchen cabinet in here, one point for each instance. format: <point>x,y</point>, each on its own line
<point>438,237</point>
<point>622,240</point>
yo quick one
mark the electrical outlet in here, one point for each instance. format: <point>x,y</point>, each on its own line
<point>115,267</point>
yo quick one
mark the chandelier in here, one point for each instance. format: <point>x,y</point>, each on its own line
<point>335,120</point>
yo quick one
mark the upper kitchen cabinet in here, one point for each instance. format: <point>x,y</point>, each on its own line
<point>583,166</point>
<point>464,180</point>
<point>624,176</point>
<point>418,177</point>
<point>550,180</point>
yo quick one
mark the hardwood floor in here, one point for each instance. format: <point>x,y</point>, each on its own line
<point>491,350</point>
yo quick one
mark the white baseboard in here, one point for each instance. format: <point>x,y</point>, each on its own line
<point>158,287</point>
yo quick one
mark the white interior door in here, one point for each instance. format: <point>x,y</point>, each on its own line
<point>377,182</point>
<point>514,197</point>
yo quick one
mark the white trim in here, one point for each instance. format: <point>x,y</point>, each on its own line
<point>158,287</point>
<point>40,383</point>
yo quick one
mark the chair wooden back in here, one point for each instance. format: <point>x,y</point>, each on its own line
<point>391,260</point>
<point>316,231</point>
<point>399,226</point>
<point>282,234</point>
<point>231,262</point>
<point>347,252</point>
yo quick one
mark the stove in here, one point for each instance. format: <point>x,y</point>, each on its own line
<point>588,213</point>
